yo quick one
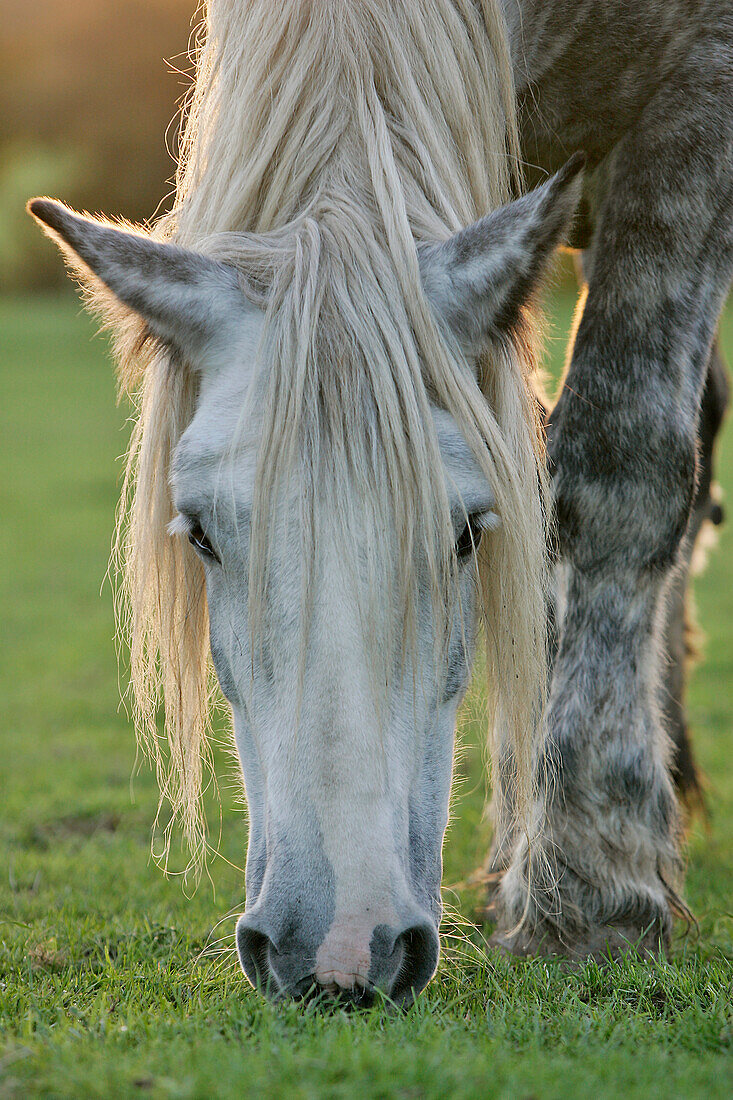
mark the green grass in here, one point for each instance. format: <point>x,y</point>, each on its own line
<point>111,982</point>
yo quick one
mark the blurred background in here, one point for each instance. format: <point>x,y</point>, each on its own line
<point>88,113</point>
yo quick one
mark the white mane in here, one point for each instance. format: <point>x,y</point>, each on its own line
<point>336,135</point>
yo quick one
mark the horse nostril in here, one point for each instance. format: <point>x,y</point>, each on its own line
<point>420,949</point>
<point>253,948</point>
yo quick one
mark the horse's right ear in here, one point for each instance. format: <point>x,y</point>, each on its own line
<point>189,301</point>
<point>479,279</point>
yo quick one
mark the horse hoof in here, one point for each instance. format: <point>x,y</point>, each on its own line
<point>608,943</point>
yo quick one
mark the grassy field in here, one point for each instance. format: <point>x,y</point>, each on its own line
<point>113,983</point>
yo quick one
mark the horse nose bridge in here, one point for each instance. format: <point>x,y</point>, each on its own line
<point>333,701</point>
<point>351,623</point>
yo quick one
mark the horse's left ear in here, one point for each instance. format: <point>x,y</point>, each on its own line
<point>188,301</point>
<point>478,280</point>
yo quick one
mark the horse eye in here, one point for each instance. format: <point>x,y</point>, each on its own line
<point>200,542</point>
<point>469,538</point>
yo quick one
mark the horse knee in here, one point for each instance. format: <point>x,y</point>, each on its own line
<point>625,504</point>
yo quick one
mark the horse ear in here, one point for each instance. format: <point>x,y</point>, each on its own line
<point>478,280</point>
<point>187,300</point>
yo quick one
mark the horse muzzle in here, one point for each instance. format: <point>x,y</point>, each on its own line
<point>356,960</point>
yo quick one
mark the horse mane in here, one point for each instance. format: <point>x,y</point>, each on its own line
<point>323,141</point>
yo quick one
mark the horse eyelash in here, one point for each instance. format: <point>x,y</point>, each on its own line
<point>189,526</point>
<point>179,525</point>
<point>475,525</point>
<point>487,521</point>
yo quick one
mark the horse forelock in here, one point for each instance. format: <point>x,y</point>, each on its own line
<point>323,141</point>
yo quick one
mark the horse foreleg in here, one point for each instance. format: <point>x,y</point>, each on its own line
<point>679,627</point>
<point>605,873</point>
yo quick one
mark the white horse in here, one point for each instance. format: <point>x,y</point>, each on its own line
<point>329,344</point>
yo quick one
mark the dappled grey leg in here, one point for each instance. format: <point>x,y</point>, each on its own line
<point>623,441</point>
<point>679,626</point>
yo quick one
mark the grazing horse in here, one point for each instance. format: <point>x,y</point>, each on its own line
<point>338,475</point>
